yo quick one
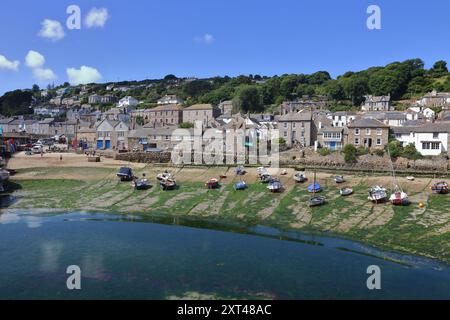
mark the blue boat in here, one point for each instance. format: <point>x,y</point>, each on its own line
<point>314,188</point>
<point>240,186</point>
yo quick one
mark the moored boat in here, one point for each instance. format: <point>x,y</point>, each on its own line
<point>240,171</point>
<point>261,170</point>
<point>346,192</point>
<point>399,198</point>
<point>440,188</point>
<point>168,184</point>
<point>339,179</point>
<point>314,188</point>
<point>142,184</point>
<point>317,201</point>
<point>275,185</point>
<point>241,185</point>
<point>378,194</point>
<point>164,176</point>
<point>212,183</point>
<point>125,174</point>
<point>265,178</point>
<point>300,177</point>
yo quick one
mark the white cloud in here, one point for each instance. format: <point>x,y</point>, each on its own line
<point>51,29</point>
<point>84,75</point>
<point>6,64</point>
<point>206,39</point>
<point>34,59</point>
<point>43,74</point>
<point>96,18</point>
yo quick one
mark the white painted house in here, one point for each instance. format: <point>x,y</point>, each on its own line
<point>128,102</point>
<point>430,139</point>
<point>426,112</point>
<point>341,119</point>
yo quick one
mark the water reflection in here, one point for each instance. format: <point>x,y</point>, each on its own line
<point>32,221</point>
<point>51,253</point>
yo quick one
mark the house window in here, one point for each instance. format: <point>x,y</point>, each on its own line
<point>435,146</point>
<point>435,135</point>
<point>357,141</point>
<point>167,138</point>
<point>285,125</point>
<point>378,141</point>
<point>293,125</point>
<point>379,132</point>
<point>426,146</point>
<point>357,131</point>
<point>285,134</point>
<point>367,132</point>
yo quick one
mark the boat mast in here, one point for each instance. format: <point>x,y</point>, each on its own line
<point>395,184</point>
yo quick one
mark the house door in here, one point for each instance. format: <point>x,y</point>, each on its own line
<point>333,146</point>
<point>99,144</point>
<point>107,144</point>
<point>368,142</point>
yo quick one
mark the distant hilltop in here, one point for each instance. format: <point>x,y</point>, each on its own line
<point>400,81</point>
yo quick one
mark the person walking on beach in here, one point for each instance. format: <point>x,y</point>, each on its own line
<point>60,157</point>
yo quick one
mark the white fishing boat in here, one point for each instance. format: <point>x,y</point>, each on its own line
<point>300,177</point>
<point>378,194</point>
<point>398,197</point>
<point>164,176</point>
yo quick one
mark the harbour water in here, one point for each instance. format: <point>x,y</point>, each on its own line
<point>125,257</point>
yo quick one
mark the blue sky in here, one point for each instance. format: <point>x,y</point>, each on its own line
<point>151,38</point>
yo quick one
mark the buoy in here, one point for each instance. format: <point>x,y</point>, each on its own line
<point>421,205</point>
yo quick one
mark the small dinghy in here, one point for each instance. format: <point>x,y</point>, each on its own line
<point>142,184</point>
<point>212,184</point>
<point>314,188</point>
<point>168,184</point>
<point>275,185</point>
<point>317,201</point>
<point>339,179</point>
<point>240,171</point>
<point>284,172</point>
<point>440,188</point>
<point>410,178</point>
<point>346,192</point>
<point>240,186</point>
<point>163,176</point>
<point>300,177</point>
<point>265,178</point>
<point>125,174</point>
<point>378,194</point>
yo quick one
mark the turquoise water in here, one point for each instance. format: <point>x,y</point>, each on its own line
<point>130,258</point>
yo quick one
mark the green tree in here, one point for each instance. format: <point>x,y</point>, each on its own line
<point>248,99</point>
<point>439,69</point>
<point>350,153</point>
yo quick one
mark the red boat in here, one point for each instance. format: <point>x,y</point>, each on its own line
<point>212,184</point>
<point>440,187</point>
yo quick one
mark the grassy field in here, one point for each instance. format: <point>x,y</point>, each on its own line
<point>423,231</point>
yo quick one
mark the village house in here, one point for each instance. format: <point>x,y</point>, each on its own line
<point>377,103</point>
<point>49,111</point>
<point>95,99</point>
<point>108,99</point>
<point>226,108</point>
<point>297,129</point>
<point>424,111</point>
<point>306,103</point>
<point>430,139</point>
<point>87,135</point>
<point>164,115</point>
<point>329,136</point>
<point>368,133</point>
<point>128,102</point>
<point>162,138</point>
<point>56,101</point>
<point>391,118</point>
<point>112,135</point>
<point>435,99</point>
<point>170,99</point>
<point>44,126</point>
<point>5,125</point>
<point>341,119</point>
<point>205,113</point>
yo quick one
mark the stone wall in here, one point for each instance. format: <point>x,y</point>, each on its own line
<point>367,162</point>
<point>145,157</point>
